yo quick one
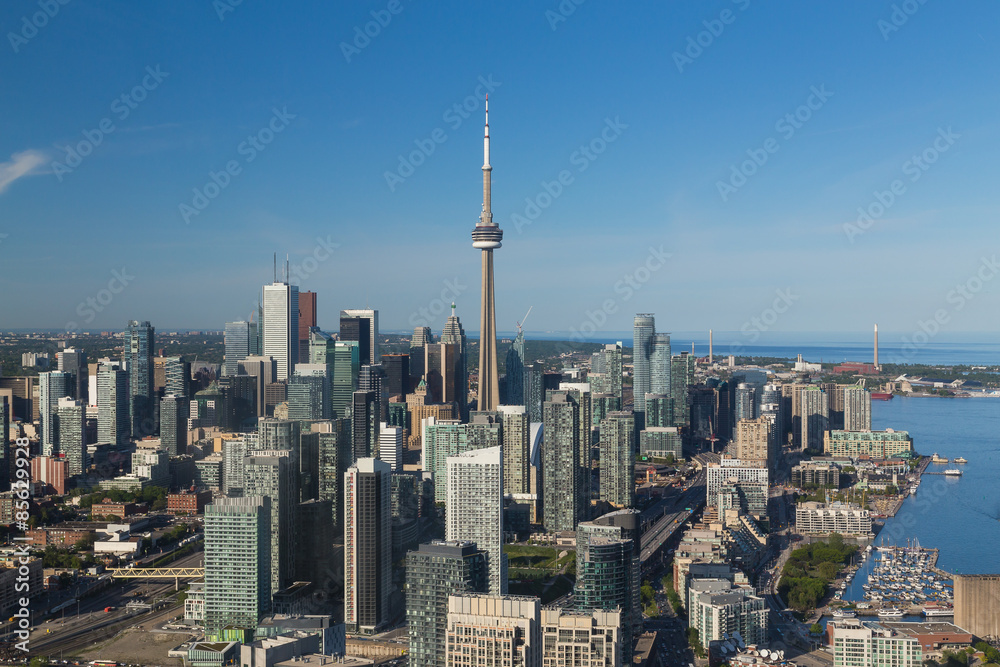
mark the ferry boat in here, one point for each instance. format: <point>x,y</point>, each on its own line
<point>960,460</point>
<point>890,613</point>
<point>953,472</point>
<point>844,613</point>
<point>939,459</point>
<point>938,610</point>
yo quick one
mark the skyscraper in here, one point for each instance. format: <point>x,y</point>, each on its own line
<point>335,456</point>
<point>281,326</point>
<point>397,374</point>
<point>617,448</point>
<point>73,362</point>
<point>372,379</point>
<point>367,545</point>
<point>857,409</point>
<point>579,392</point>
<point>608,363</point>
<point>475,508</point>
<point>237,343</point>
<point>454,334</point>
<point>307,320</point>
<point>51,387</point>
<point>270,474</point>
<point>681,377</point>
<point>516,435</point>
<point>264,369</point>
<point>745,401</point>
<point>435,571</point>
<point>643,329</point>
<point>390,446</point>
<point>346,375</point>
<point>421,338</point>
<point>361,325</point>
<point>174,412</point>
<point>608,567</point>
<point>112,404</point>
<point>440,372</point>
<point>514,372</point>
<point>138,355</point>
<point>237,562</point>
<point>5,452</point>
<point>309,392</point>
<point>177,376</point>
<point>815,421</point>
<point>486,237</point>
<point>71,425</point>
<point>560,462</point>
<point>659,364</point>
<point>364,424</point>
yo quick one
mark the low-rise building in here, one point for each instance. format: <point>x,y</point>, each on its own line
<point>57,536</point>
<point>188,502</point>
<point>120,510</point>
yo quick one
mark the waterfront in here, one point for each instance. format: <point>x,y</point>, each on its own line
<point>834,347</point>
<point>958,515</point>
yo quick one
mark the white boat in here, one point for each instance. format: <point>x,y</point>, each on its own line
<point>890,613</point>
<point>939,611</point>
<point>960,460</point>
<point>844,613</point>
<point>953,471</point>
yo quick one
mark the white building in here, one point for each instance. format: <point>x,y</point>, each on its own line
<point>475,507</point>
<point>858,643</point>
<point>836,517</point>
<point>281,326</point>
<point>390,446</point>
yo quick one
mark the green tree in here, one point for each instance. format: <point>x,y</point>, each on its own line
<point>816,628</point>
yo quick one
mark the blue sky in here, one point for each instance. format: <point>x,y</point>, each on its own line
<point>671,119</point>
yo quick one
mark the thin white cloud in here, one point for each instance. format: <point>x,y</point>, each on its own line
<point>26,163</point>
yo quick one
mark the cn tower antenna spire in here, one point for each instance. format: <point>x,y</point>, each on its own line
<point>487,237</point>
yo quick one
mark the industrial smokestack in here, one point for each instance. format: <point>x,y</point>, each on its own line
<point>876,347</point>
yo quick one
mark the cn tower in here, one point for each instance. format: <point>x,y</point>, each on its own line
<point>486,236</point>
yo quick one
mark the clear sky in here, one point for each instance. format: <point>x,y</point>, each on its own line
<point>714,153</point>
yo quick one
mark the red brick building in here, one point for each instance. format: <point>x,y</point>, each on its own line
<point>60,537</point>
<point>49,473</point>
<point>120,510</point>
<point>188,502</point>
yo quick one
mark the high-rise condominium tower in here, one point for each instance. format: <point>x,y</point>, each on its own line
<point>643,329</point>
<point>475,508</point>
<point>367,545</point>
<point>487,236</point>
<point>138,354</point>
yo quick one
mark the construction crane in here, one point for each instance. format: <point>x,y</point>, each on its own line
<point>520,325</point>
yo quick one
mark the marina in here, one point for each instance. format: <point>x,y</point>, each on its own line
<point>902,580</point>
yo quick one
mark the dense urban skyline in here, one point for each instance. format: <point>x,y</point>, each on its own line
<point>673,116</point>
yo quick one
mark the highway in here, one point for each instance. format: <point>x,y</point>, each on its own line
<point>75,633</point>
<point>674,518</point>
